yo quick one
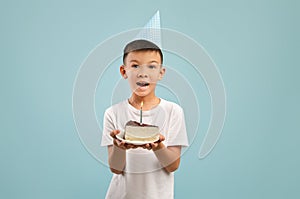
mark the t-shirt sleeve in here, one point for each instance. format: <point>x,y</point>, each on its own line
<point>108,127</point>
<point>177,135</point>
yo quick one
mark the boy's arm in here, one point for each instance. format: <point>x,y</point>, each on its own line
<point>169,157</point>
<point>116,159</point>
<point>116,154</point>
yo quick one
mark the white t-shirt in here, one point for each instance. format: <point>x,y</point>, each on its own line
<point>144,176</point>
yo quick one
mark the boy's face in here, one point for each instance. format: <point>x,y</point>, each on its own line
<point>143,70</point>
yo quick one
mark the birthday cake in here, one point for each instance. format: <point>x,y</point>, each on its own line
<point>135,131</point>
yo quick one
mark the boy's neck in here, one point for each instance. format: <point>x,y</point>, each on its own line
<point>149,102</point>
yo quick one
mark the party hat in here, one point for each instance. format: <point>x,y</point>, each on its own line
<point>151,31</point>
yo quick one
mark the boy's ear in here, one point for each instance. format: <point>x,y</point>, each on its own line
<point>123,72</point>
<point>162,73</point>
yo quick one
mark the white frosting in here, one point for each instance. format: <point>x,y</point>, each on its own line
<point>141,133</point>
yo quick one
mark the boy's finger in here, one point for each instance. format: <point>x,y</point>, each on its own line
<point>114,133</point>
<point>161,137</point>
<point>117,142</point>
<point>148,146</point>
<point>122,143</point>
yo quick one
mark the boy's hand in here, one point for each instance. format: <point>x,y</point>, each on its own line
<point>119,143</point>
<point>155,145</point>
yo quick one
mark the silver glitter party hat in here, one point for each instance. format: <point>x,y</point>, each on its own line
<point>151,31</point>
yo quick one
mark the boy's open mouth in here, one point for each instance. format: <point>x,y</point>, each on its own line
<point>142,84</point>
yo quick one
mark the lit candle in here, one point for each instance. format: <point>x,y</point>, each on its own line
<point>141,113</point>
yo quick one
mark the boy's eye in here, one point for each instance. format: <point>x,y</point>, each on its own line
<point>152,66</point>
<point>135,66</point>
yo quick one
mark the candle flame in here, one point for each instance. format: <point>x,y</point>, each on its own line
<point>142,103</point>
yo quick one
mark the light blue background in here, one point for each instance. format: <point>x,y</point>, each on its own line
<point>255,45</point>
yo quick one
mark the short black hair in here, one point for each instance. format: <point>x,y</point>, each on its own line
<point>141,45</point>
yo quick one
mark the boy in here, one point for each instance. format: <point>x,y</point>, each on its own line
<point>138,172</point>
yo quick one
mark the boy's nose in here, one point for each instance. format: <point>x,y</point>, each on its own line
<point>142,73</point>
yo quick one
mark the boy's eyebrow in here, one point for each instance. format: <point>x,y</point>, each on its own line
<point>153,61</point>
<point>134,61</point>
